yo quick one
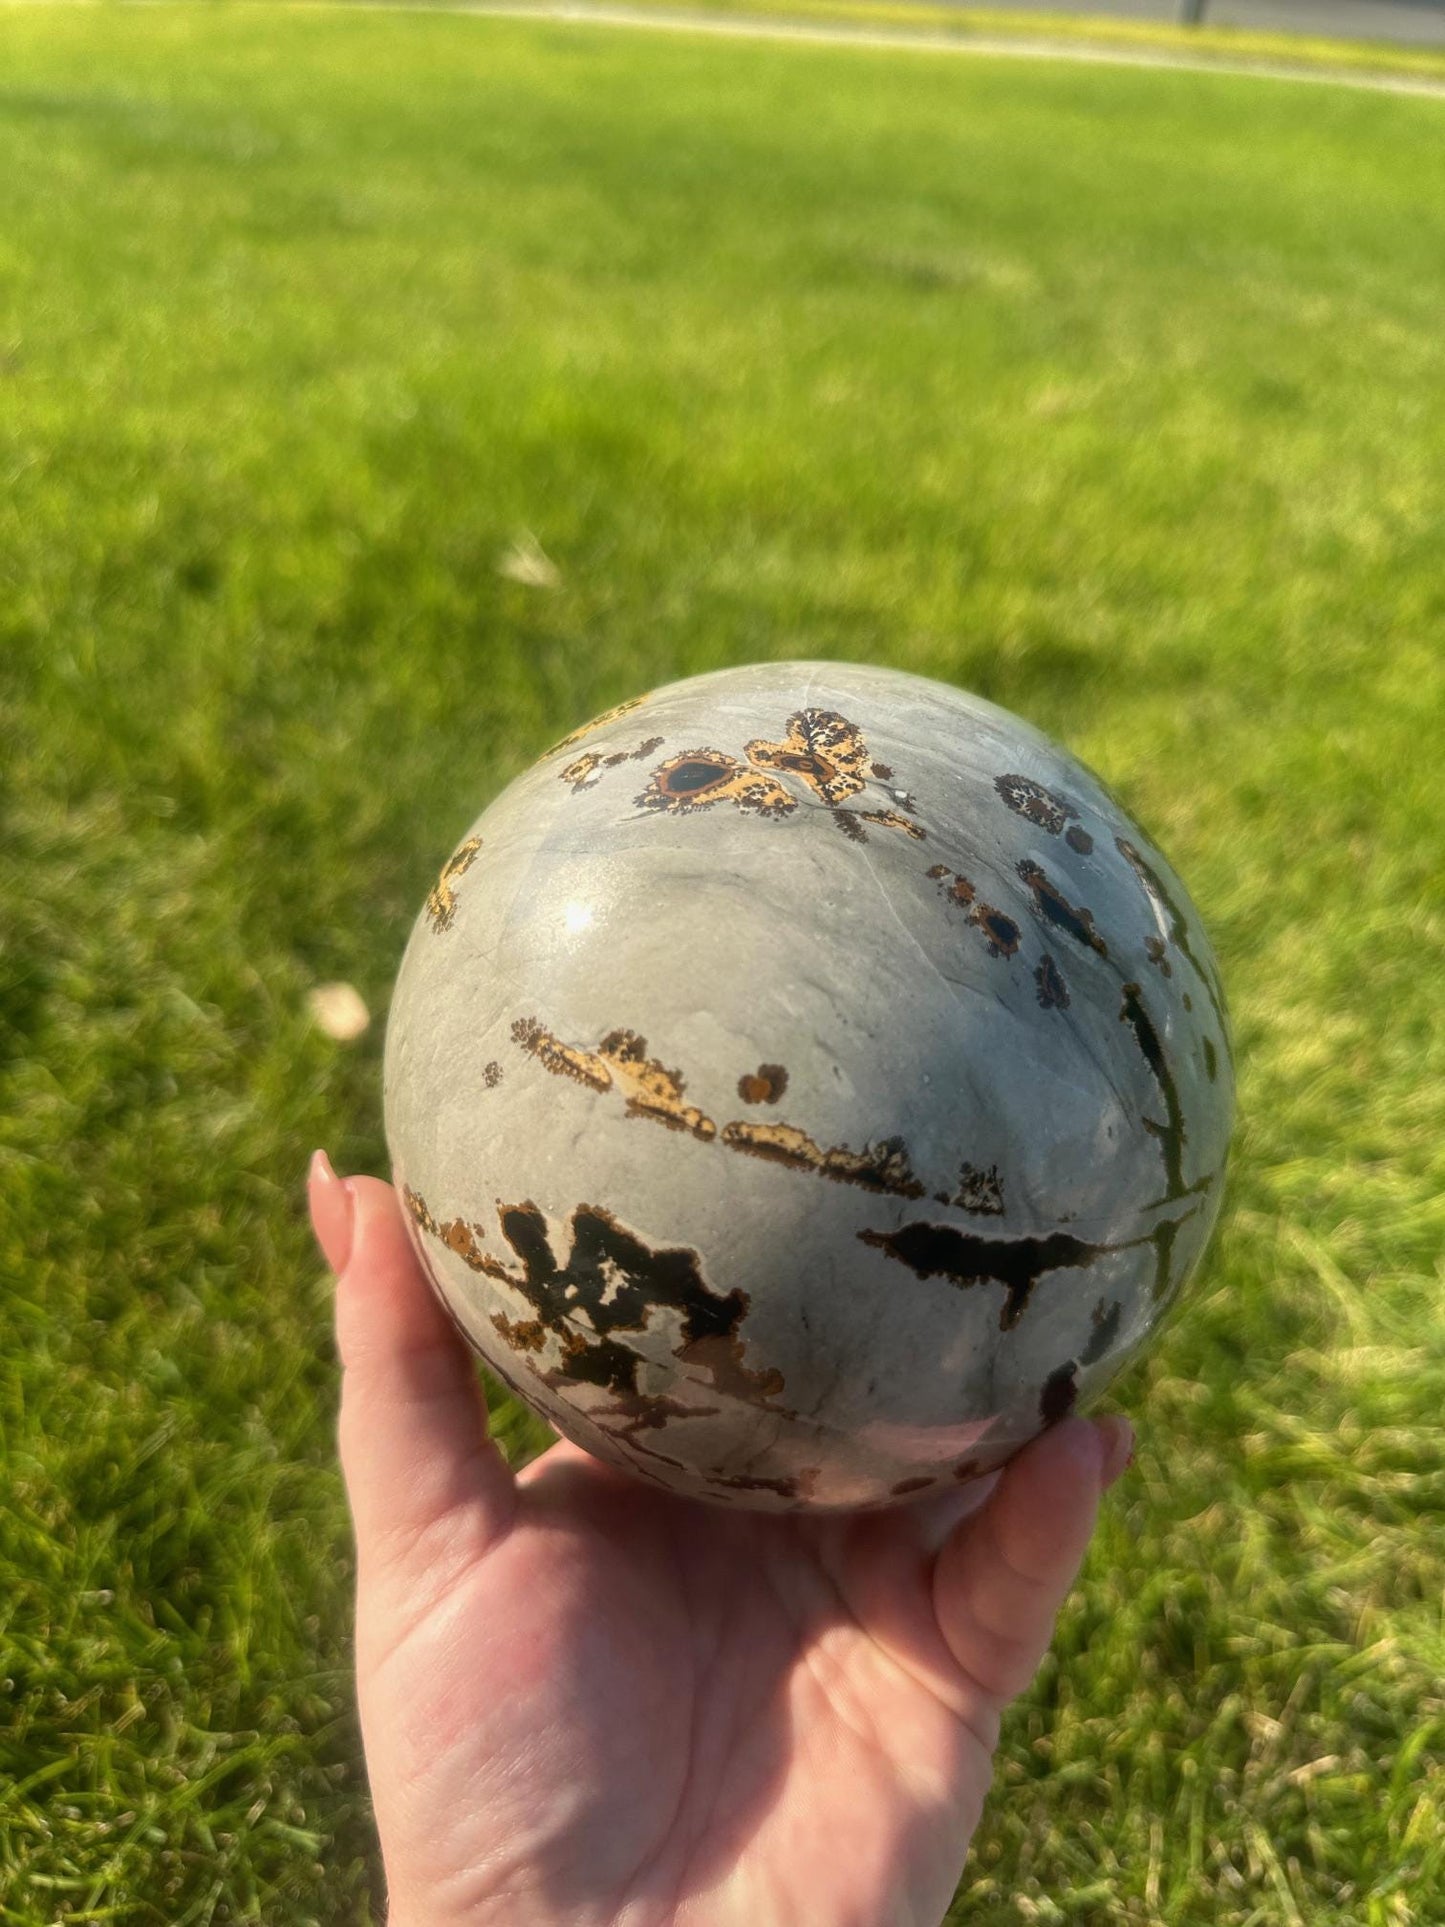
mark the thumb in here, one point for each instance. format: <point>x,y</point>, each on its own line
<point>427,1487</point>
<point>1003,1574</point>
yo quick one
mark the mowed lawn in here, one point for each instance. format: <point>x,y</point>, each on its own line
<point>1114,396</point>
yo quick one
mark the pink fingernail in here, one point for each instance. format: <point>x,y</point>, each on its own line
<point>333,1208</point>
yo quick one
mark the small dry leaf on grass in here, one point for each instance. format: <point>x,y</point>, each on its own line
<point>527,562</point>
<point>339,1010</point>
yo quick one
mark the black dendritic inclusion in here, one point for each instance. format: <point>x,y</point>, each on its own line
<point>690,777</point>
<point>1053,992</point>
<point>965,1258</point>
<point>1106,1330</point>
<point>1060,1393</point>
<point>1178,925</point>
<point>1056,909</point>
<point>1001,931</point>
<point>615,1281</point>
<point>1162,1238</point>
<point>1027,798</point>
<point>1171,1133</point>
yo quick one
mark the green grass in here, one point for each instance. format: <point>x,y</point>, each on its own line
<point>1113,395</point>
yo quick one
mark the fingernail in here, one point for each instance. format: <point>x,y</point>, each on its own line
<point>1119,1450</point>
<point>333,1210</point>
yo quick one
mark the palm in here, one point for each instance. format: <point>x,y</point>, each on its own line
<point>651,1702</point>
<point>587,1702</point>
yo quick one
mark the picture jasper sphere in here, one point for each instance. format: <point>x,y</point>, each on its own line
<point>805,1084</point>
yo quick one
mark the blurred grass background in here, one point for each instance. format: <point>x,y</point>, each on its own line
<point>1112,395</point>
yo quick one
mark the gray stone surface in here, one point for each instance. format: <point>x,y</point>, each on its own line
<point>805,1083</point>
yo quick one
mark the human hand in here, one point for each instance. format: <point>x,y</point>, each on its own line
<point>585,1701</point>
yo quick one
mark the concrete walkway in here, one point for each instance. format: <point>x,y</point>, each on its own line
<point>918,40</point>
<point>1408,23</point>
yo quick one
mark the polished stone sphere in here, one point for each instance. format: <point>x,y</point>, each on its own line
<point>805,1084</point>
